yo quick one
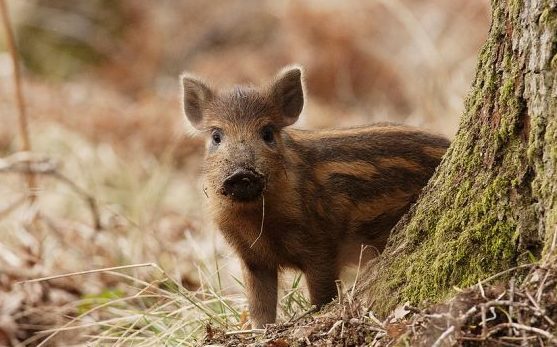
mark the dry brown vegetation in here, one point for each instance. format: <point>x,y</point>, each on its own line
<point>486,314</point>
<point>112,126</point>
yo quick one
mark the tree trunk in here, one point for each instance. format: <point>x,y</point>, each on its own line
<point>492,203</point>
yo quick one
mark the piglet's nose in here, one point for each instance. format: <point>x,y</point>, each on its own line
<point>243,185</point>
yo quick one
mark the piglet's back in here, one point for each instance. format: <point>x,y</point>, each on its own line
<point>365,177</point>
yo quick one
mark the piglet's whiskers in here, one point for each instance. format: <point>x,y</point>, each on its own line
<point>262,220</point>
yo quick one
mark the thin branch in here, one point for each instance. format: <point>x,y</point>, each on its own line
<point>25,163</point>
<point>242,332</point>
<point>91,201</point>
<point>23,123</point>
<point>504,272</point>
<point>484,320</point>
<point>443,336</point>
<point>511,308</point>
<point>340,291</point>
<point>311,310</point>
<point>333,328</point>
<point>538,331</point>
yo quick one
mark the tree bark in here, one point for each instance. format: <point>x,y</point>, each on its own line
<point>492,203</point>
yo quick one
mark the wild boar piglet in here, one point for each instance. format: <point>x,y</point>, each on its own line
<point>308,200</point>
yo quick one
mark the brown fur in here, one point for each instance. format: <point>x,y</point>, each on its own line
<point>326,193</point>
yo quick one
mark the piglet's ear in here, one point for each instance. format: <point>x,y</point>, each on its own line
<point>288,94</point>
<point>196,97</point>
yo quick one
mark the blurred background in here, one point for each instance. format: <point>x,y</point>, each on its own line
<point>102,94</point>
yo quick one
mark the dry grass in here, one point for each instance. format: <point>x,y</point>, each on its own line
<point>111,136</point>
<point>490,314</point>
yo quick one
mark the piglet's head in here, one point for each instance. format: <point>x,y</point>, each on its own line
<point>242,127</point>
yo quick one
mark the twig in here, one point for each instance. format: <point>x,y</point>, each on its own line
<point>484,320</point>
<point>91,201</point>
<point>443,336</point>
<point>444,315</point>
<point>519,338</point>
<point>541,286</point>
<point>529,296</point>
<point>340,291</point>
<point>23,123</point>
<point>311,310</point>
<point>25,163</point>
<point>374,319</point>
<point>342,330</point>
<point>511,308</point>
<point>505,272</point>
<point>490,304</point>
<point>242,332</point>
<point>333,328</point>
<point>539,309</point>
<point>481,288</point>
<point>471,312</point>
<point>538,331</point>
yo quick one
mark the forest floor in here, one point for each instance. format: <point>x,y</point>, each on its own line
<point>487,314</point>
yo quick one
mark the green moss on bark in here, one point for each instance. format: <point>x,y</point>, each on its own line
<point>480,214</point>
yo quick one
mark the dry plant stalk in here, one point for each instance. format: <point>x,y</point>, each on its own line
<point>23,124</point>
<point>24,163</point>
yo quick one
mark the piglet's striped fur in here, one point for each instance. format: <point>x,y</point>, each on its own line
<point>288,198</point>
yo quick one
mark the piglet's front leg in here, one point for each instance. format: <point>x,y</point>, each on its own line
<point>261,287</point>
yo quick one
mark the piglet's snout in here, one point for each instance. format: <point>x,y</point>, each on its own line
<point>243,185</point>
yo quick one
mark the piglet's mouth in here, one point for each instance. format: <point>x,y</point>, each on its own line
<point>243,185</point>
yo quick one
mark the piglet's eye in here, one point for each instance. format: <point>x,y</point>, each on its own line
<point>267,134</point>
<point>216,136</point>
